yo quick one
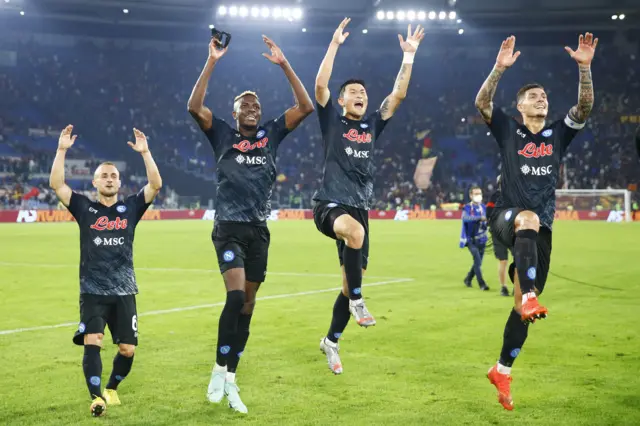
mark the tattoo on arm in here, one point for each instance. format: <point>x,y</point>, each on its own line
<point>402,80</point>
<point>485,96</point>
<point>384,108</point>
<point>581,111</point>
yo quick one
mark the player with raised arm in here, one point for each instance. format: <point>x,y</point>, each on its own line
<point>246,170</point>
<point>345,196</point>
<point>531,155</point>
<point>108,285</point>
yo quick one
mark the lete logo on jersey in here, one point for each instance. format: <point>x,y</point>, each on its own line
<point>104,224</point>
<point>530,150</point>
<point>353,136</point>
<point>246,146</point>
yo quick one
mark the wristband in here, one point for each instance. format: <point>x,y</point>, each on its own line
<point>408,57</point>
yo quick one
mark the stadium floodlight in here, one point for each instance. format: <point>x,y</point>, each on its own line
<point>22,13</point>
<point>621,16</point>
<point>432,15</point>
<point>265,12</point>
<point>364,31</point>
<point>286,13</point>
<point>233,11</point>
<point>461,31</point>
<point>222,11</point>
<point>458,20</point>
<point>243,11</point>
<point>255,12</point>
<point>304,30</point>
<point>277,13</point>
<point>400,15</point>
<point>297,13</point>
<point>389,15</point>
<point>380,15</point>
<point>442,15</point>
<point>210,26</point>
<point>422,15</point>
<point>125,11</point>
<point>411,15</point>
<point>452,15</point>
<point>614,17</point>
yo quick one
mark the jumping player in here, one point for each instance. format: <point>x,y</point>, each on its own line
<point>344,198</point>
<point>500,251</point>
<point>107,280</point>
<point>246,169</point>
<point>531,154</point>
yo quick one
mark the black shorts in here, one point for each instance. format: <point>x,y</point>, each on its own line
<point>325,214</point>
<point>502,226</point>
<point>242,245</point>
<point>117,312</point>
<point>500,251</point>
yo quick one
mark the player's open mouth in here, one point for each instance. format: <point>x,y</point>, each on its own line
<point>359,104</point>
<point>251,117</point>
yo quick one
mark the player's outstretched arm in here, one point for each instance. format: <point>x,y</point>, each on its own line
<point>326,67</point>
<point>196,107</point>
<point>141,146</point>
<point>583,56</point>
<point>56,179</point>
<point>506,58</point>
<point>303,104</point>
<point>409,47</point>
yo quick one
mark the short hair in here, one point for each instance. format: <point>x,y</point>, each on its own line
<point>106,163</point>
<point>473,188</point>
<point>348,82</point>
<point>243,94</point>
<point>526,88</point>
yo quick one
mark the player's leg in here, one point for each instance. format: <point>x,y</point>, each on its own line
<point>90,334</point>
<point>471,274</point>
<point>478,267</point>
<point>124,331</point>
<point>525,253</point>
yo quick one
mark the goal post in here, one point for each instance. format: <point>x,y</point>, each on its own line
<point>616,201</point>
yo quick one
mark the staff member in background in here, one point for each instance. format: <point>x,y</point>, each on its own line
<point>499,250</point>
<point>474,235</point>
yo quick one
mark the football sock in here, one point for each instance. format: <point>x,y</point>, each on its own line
<point>340,318</point>
<point>228,325</point>
<point>515,333</point>
<point>525,253</point>
<point>121,367</point>
<point>352,259</point>
<point>92,367</point>
<point>241,342</point>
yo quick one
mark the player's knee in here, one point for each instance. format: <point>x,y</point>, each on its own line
<point>527,220</point>
<point>235,300</point>
<point>93,339</point>
<point>248,307</point>
<point>126,350</point>
<point>355,236</point>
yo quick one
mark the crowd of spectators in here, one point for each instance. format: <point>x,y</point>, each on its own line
<point>106,89</point>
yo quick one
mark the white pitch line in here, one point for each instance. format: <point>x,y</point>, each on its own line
<point>197,270</point>
<point>212,305</point>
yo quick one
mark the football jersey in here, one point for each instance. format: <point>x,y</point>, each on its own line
<point>246,170</point>
<point>531,163</point>
<point>348,173</point>
<point>106,243</point>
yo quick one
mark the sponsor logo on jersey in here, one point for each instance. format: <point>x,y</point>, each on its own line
<point>353,136</point>
<point>536,171</point>
<point>355,153</point>
<point>92,210</point>
<point>547,133</point>
<point>521,133</point>
<point>104,224</point>
<point>246,146</point>
<point>530,150</point>
<point>121,209</point>
<point>113,241</point>
<point>249,159</point>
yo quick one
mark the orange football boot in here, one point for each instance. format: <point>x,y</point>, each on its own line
<point>502,382</point>
<point>531,310</point>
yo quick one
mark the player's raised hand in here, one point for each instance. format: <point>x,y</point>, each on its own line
<point>339,37</point>
<point>276,57</point>
<point>215,49</point>
<point>66,140</point>
<point>413,39</point>
<point>140,144</point>
<point>506,57</point>
<point>583,55</point>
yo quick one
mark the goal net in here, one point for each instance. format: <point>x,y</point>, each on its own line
<point>612,205</point>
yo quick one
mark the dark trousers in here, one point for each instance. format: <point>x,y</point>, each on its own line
<point>477,252</point>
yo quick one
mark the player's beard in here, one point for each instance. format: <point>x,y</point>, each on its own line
<point>108,192</point>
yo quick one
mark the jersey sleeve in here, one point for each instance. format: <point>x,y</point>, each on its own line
<point>326,114</point>
<point>501,126</point>
<point>217,133</point>
<point>378,123</point>
<point>138,204</point>
<point>78,205</point>
<point>276,131</point>
<point>567,130</point>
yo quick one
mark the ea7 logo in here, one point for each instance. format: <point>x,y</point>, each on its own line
<point>521,133</point>
<point>92,210</point>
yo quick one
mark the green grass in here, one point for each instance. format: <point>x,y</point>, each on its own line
<point>423,364</point>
